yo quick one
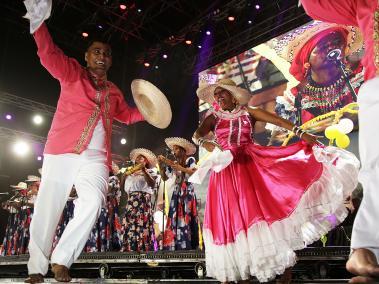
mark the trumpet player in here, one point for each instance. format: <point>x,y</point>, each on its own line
<point>140,184</point>
<point>182,228</point>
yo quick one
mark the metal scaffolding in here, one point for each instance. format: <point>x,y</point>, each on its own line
<point>30,105</point>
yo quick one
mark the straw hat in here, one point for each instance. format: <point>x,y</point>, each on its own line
<point>289,44</point>
<point>152,103</point>
<point>206,92</point>
<point>21,185</point>
<point>184,143</point>
<point>149,155</point>
<point>32,178</point>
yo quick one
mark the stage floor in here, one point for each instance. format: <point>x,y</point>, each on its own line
<point>315,265</point>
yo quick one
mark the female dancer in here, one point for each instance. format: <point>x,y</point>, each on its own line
<point>140,185</point>
<point>269,201</point>
<point>182,229</point>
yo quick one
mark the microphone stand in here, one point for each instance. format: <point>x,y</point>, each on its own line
<point>167,152</point>
<point>334,56</point>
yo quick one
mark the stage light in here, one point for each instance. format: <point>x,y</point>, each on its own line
<point>249,22</point>
<point>231,18</point>
<point>122,6</point>
<point>147,64</point>
<point>139,10</point>
<point>8,117</point>
<point>123,141</point>
<point>84,34</point>
<point>37,119</point>
<point>257,7</point>
<point>39,158</point>
<point>188,41</point>
<point>208,32</point>
<point>21,148</point>
<point>164,56</point>
<point>199,46</point>
<point>100,27</point>
<point>156,67</point>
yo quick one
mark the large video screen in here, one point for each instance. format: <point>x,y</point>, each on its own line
<point>310,75</point>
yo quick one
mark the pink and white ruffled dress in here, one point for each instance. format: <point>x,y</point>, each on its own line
<point>270,201</point>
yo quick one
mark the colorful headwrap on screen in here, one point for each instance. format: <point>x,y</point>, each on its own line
<point>296,46</point>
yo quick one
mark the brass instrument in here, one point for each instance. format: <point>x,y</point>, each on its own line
<point>167,161</point>
<point>133,169</point>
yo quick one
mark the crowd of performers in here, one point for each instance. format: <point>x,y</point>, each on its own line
<point>126,222</point>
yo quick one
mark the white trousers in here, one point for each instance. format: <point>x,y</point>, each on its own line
<point>366,225</point>
<point>89,172</point>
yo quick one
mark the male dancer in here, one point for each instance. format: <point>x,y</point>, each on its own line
<point>77,151</point>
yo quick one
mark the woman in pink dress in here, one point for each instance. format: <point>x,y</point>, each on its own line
<point>269,201</point>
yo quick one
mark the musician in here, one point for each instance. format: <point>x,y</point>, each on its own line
<point>140,184</point>
<point>20,207</point>
<point>182,228</point>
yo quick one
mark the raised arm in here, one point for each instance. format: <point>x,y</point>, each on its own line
<point>268,117</point>
<point>204,128</point>
<point>53,59</point>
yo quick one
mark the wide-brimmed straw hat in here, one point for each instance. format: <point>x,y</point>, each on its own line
<point>149,155</point>
<point>205,92</point>
<point>184,143</point>
<point>289,44</point>
<point>152,103</point>
<point>32,178</point>
<point>21,185</point>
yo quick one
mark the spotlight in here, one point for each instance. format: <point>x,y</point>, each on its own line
<point>123,141</point>
<point>122,6</point>
<point>8,117</point>
<point>21,148</point>
<point>165,56</point>
<point>100,27</point>
<point>231,18</point>
<point>199,46</point>
<point>84,34</point>
<point>208,32</point>
<point>156,67</point>
<point>257,7</point>
<point>39,158</point>
<point>147,64</point>
<point>37,119</point>
<point>188,42</point>
<point>139,10</point>
<point>249,22</point>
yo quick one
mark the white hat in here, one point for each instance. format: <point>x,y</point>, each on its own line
<point>152,103</point>
<point>21,185</point>
<point>184,143</point>
<point>32,178</point>
<point>206,93</point>
<point>149,155</point>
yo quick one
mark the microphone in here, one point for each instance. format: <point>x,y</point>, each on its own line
<point>334,54</point>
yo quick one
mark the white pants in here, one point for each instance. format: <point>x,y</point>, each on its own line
<point>366,225</point>
<point>89,172</point>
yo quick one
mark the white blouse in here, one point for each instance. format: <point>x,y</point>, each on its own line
<point>137,182</point>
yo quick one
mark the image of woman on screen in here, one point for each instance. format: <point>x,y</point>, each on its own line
<point>314,51</point>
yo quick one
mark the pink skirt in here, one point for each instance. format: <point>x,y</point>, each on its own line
<point>271,201</point>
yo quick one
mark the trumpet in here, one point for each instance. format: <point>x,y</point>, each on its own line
<point>133,169</point>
